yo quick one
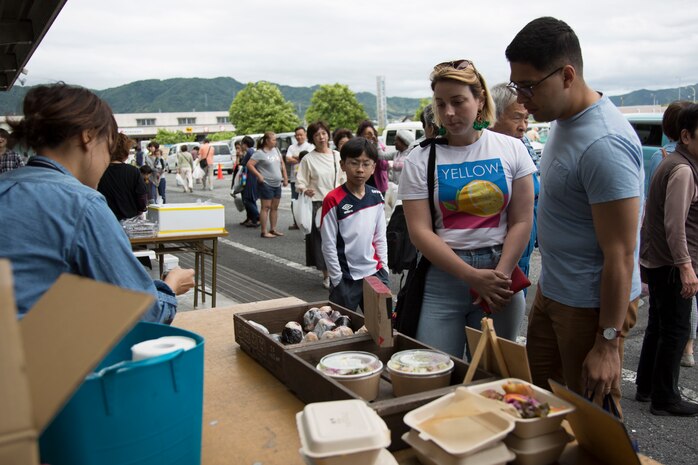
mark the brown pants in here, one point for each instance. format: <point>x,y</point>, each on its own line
<point>559,339</point>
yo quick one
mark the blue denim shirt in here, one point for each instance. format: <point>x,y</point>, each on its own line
<point>53,224</point>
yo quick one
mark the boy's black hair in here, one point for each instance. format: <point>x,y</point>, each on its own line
<point>302,154</point>
<point>688,119</point>
<point>145,169</point>
<point>248,141</point>
<point>353,148</point>
<point>546,43</point>
<point>154,144</point>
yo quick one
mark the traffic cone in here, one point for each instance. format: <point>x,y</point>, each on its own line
<point>220,172</point>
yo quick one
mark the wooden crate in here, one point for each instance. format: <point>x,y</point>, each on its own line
<point>310,385</point>
<point>270,353</point>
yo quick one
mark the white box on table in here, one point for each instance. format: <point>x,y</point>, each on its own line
<point>188,219</point>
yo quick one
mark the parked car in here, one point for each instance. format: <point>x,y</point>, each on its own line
<point>390,131</point>
<point>222,156</point>
<point>171,159</point>
<point>648,127</point>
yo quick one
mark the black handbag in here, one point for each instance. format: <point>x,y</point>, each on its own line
<point>411,295</point>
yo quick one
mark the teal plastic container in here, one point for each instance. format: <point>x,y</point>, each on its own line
<point>137,413</point>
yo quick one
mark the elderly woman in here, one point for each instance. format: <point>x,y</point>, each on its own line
<point>60,223</point>
<point>122,184</point>
<point>267,165</point>
<point>482,211</point>
<point>318,174</point>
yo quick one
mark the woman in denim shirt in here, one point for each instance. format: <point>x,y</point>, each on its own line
<point>54,221</point>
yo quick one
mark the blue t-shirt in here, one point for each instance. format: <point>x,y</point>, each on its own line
<point>593,157</point>
<point>656,159</point>
<point>53,224</point>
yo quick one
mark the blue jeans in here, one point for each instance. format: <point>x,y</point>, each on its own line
<point>448,308</point>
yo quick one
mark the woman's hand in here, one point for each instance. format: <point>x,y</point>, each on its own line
<point>180,280</point>
<point>493,287</point>
<point>260,179</point>
<point>285,182</point>
<point>309,192</point>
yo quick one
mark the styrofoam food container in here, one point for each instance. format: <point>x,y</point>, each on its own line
<point>343,432</point>
<point>459,434</point>
<point>532,427</point>
<point>540,450</point>
<point>384,458</point>
<point>358,371</point>
<point>429,453</point>
<point>419,370</point>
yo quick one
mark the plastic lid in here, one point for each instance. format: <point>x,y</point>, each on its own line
<point>340,427</point>
<point>349,364</point>
<point>419,361</point>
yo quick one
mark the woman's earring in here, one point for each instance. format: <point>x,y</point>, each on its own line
<point>480,124</point>
<point>442,131</point>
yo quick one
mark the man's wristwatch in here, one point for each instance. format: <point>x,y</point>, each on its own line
<point>610,333</point>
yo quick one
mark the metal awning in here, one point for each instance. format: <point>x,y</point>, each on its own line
<point>23,24</point>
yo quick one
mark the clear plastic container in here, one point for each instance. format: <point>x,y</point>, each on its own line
<point>429,453</point>
<point>419,370</point>
<point>539,450</point>
<point>358,371</point>
<point>345,432</point>
<point>532,427</point>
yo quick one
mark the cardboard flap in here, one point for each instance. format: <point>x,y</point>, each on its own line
<point>378,306</point>
<point>68,332</point>
<point>16,423</point>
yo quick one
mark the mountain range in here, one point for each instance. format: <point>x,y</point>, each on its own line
<point>196,94</point>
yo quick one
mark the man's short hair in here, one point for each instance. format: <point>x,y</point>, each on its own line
<point>503,96</point>
<point>688,119</point>
<point>670,120</point>
<point>248,141</point>
<point>427,117</point>
<point>298,129</point>
<point>546,43</point>
<point>183,148</point>
<point>154,145</point>
<point>354,147</point>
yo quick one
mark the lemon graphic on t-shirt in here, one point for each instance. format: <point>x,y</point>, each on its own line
<point>480,198</point>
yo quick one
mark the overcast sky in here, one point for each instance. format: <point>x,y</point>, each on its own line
<point>627,45</point>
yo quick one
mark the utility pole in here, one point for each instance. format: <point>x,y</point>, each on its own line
<point>382,104</point>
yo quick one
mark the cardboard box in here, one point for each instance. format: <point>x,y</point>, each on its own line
<point>188,219</point>
<point>270,353</point>
<point>46,355</point>
<point>312,386</point>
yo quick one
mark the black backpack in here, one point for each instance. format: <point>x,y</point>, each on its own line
<point>402,254</point>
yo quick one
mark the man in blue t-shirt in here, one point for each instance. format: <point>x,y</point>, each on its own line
<point>588,216</point>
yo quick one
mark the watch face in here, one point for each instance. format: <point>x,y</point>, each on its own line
<point>610,333</point>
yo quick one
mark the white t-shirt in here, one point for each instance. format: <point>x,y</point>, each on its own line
<point>293,151</point>
<point>472,187</point>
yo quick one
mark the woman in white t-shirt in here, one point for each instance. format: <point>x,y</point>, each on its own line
<point>483,201</point>
<point>318,174</point>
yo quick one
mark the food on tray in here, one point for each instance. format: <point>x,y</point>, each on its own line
<point>326,308</point>
<point>343,320</point>
<point>521,397</point>
<point>362,330</point>
<point>292,333</point>
<point>420,362</point>
<point>310,337</point>
<point>323,325</point>
<point>349,363</point>
<point>343,331</point>
<point>259,327</point>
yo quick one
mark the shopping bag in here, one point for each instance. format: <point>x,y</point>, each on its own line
<point>303,212</point>
<point>239,181</point>
<point>198,172</point>
<point>178,180</point>
<point>238,203</point>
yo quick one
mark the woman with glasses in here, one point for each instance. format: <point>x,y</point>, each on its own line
<point>318,174</point>
<point>483,209</point>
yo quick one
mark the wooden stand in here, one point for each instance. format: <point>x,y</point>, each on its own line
<point>500,356</point>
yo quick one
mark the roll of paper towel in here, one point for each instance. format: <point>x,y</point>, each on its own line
<point>160,346</point>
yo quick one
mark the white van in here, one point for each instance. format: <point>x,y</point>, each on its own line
<point>390,131</point>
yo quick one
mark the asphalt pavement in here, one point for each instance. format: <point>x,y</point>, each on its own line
<point>253,268</point>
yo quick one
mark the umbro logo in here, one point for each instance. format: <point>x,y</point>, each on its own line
<point>347,208</point>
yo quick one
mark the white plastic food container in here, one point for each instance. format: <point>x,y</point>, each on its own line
<point>358,371</point>
<point>532,427</point>
<point>459,424</point>
<point>344,432</point>
<point>419,370</point>
<point>540,450</point>
<point>429,453</point>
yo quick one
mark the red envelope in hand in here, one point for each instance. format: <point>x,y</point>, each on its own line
<point>519,281</point>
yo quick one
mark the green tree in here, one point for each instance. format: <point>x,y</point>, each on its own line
<point>261,107</point>
<point>224,135</point>
<point>166,137</point>
<point>423,102</point>
<point>336,105</point>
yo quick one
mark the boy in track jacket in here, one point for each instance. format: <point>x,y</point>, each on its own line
<point>353,227</point>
